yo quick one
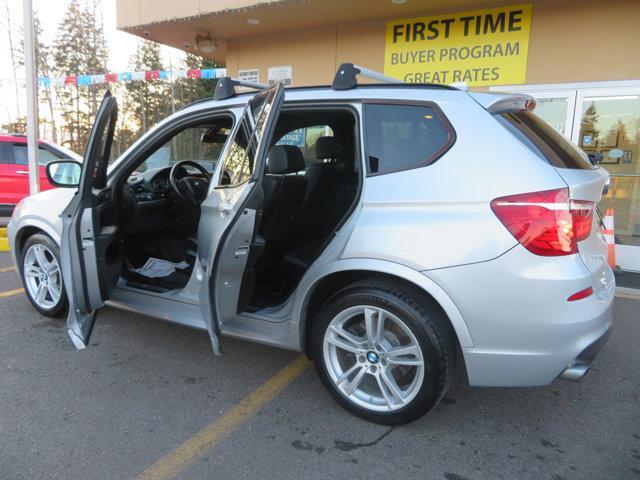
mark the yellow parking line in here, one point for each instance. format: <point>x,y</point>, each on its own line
<point>9,293</point>
<point>7,269</point>
<point>174,462</point>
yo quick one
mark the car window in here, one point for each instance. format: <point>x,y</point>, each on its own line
<point>402,137</point>
<point>305,139</point>
<point>238,163</point>
<point>21,157</point>
<point>201,144</point>
<point>5,153</point>
<point>544,140</point>
<point>241,156</point>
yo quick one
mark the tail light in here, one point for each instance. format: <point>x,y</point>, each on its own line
<point>546,223</point>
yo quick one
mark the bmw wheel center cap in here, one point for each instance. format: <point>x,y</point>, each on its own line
<point>372,357</point>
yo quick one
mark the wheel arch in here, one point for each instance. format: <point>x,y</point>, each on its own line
<point>343,273</point>
<point>26,229</point>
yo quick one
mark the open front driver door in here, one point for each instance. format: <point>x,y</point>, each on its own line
<point>89,255</point>
<point>229,215</point>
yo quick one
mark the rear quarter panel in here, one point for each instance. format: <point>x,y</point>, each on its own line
<point>439,216</point>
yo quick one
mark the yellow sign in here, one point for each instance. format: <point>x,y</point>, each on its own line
<point>482,47</point>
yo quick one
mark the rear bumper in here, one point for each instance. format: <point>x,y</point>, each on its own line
<point>523,329</point>
<point>584,360</point>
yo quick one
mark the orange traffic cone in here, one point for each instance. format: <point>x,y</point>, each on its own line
<point>609,236</point>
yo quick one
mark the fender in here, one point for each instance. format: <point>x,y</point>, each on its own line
<point>313,277</point>
<point>35,222</point>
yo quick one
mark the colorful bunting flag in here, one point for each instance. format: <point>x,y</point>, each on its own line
<point>97,79</point>
<point>84,80</point>
<point>208,73</point>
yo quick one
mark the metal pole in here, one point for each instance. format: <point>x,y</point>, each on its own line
<point>32,104</point>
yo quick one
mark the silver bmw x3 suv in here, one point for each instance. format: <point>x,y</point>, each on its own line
<point>391,232</point>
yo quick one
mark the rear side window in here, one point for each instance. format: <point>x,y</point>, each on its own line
<point>5,153</point>
<point>402,137</point>
<point>544,140</point>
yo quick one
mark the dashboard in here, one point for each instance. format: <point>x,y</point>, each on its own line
<point>150,185</point>
<point>150,204</point>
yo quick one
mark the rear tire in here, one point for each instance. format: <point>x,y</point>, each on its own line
<point>359,367</point>
<point>42,276</point>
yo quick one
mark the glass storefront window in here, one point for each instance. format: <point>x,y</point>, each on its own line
<point>554,111</point>
<point>610,130</point>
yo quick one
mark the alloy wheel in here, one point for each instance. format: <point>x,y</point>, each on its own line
<point>42,276</point>
<point>373,358</point>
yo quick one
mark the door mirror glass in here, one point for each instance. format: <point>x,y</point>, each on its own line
<point>64,173</point>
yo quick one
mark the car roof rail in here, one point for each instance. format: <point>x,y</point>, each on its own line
<point>226,87</point>
<point>345,77</point>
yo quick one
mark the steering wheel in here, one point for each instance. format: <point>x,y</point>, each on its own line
<point>191,190</point>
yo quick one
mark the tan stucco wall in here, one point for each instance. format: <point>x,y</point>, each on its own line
<point>571,41</point>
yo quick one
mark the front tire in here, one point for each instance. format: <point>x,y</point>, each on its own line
<point>384,355</point>
<point>42,276</point>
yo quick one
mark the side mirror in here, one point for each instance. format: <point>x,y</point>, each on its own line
<point>64,173</point>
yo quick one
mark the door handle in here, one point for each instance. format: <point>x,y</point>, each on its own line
<point>22,172</point>
<point>225,207</point>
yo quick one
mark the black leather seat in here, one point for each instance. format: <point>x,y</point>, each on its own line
<point>326,180</point>
<point>283,192</point>
<point>324,204</point>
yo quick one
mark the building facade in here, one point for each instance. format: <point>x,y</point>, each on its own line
<point>579,58</point>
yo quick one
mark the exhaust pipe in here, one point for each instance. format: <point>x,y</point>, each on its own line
<point>574,372</point>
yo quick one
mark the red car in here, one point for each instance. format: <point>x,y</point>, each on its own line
<point>14,168</point>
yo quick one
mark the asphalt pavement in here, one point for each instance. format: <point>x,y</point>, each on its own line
<point>146,388</point>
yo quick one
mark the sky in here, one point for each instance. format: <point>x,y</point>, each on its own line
<point>51,12</point>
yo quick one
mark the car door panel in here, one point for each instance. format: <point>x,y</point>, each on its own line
<point>6,164</point>
<point>19,170</point>
<point>216,215</point>
<point>229,216</point>
<point>88,239</point>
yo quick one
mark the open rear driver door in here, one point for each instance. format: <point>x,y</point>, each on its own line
<point>89,254</point>
<point>226,236</point>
